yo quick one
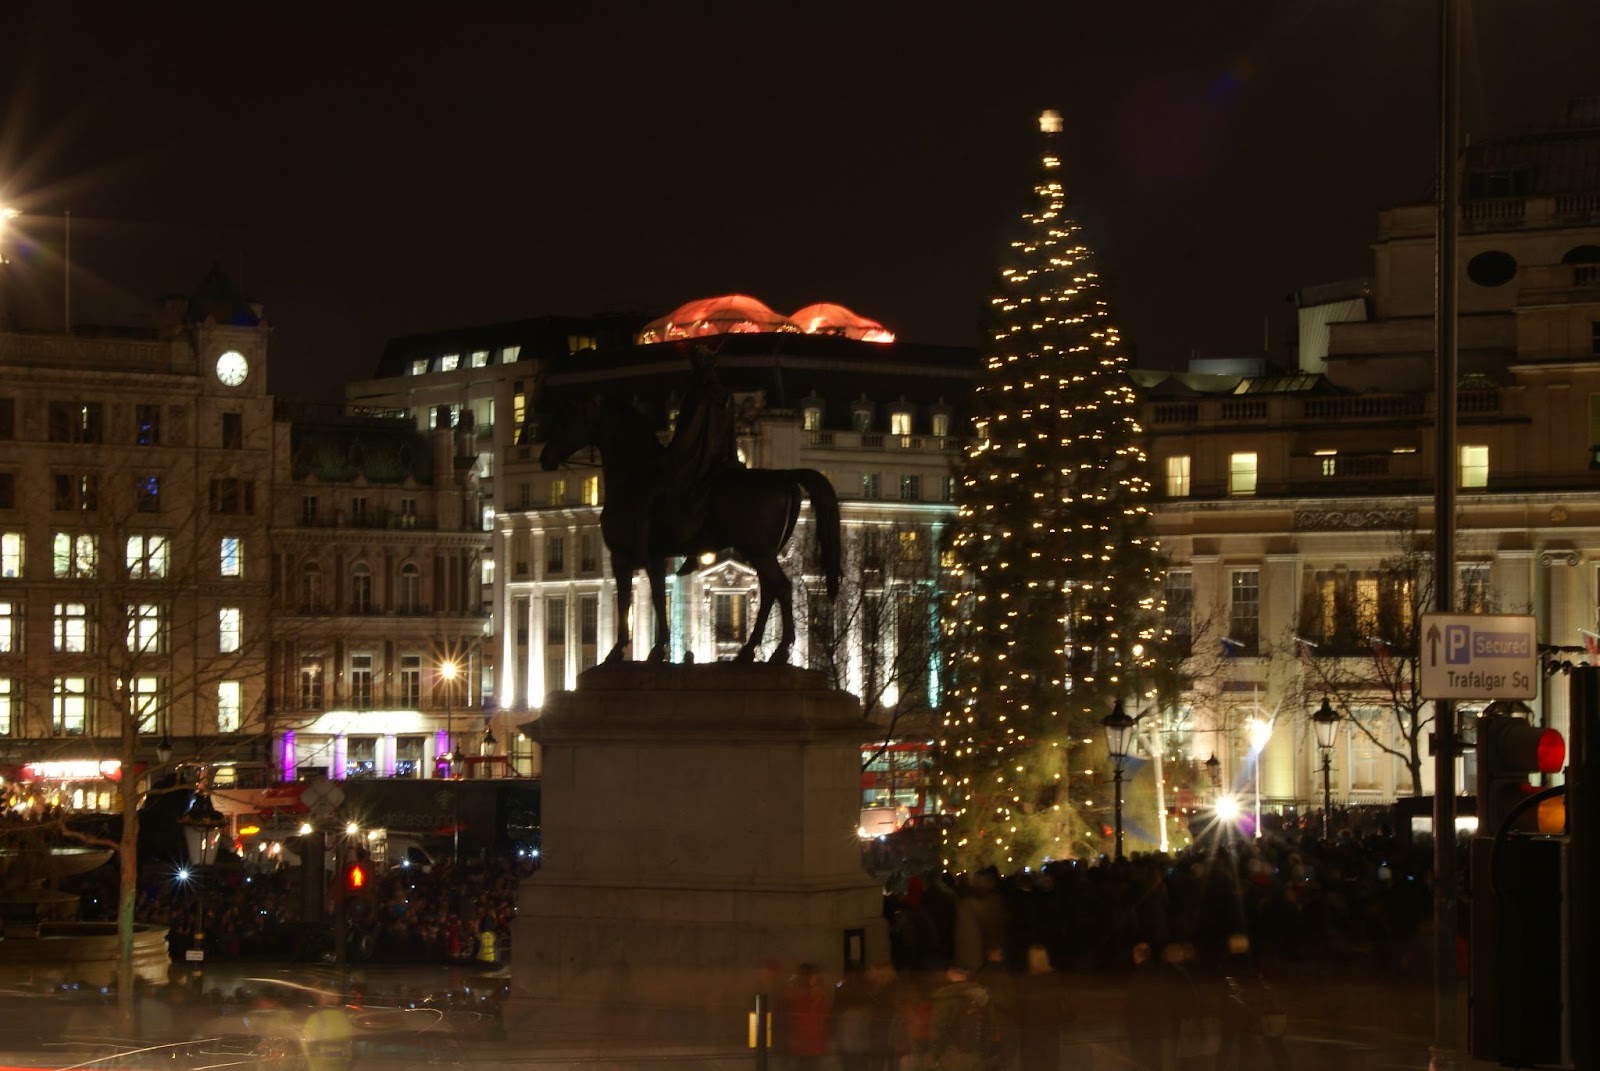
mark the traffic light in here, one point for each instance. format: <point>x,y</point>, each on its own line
<point>356,877</point>
<point>1519,859</point>
<point>1509,750</point>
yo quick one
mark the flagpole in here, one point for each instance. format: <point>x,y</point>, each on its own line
<point>66,290</point>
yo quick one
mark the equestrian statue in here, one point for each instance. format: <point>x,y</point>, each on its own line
<point>692,497</point>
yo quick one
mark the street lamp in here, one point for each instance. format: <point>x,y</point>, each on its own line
<point>1260,732</point>
<point>1326,722</point>
<point>164,750</point>
<point>447,673</point>
<point>1213,767</point>
<point>1119,734</point>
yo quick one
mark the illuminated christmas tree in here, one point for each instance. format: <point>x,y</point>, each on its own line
<point>1055,575</point>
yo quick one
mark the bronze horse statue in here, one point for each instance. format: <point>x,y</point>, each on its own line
<point>749,513</point>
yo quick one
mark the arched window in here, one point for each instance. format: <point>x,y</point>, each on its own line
<point>311,588</point>
<point>361,589</point>
<point>410,589</point>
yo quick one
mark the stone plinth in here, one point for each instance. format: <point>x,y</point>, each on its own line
<point>697,820</point>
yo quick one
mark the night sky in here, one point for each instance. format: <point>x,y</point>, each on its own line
<point>433,167</point>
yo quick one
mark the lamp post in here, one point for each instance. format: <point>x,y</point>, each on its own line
<point>1119,733</point>
<point>1326,722</point>
<point>447,673</point>
<point>1213,767</point>
<point>1260,732</point>
<point>164,750</point>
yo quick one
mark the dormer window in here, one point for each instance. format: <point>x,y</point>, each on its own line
<point>861,414</point>
<point>900,422</point>
<point>812,418</point>
<point>480,358</point>
<point>419,368</point>
<point>450,362</point>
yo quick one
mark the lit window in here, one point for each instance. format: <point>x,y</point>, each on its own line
<point>75,555</point>
<point>900,423</point>
<point>450,362</point>
<point>419,368</point>
<point>10,626</point>
<point>71,627</point>
<point>144,628</point>
<point>70,706</point>
<point>480,358</point>
<point>812,421</point>
<point>11,544</point>
<point>1242,474</point>
<point>1474,466</point>
<point>411,681</point>
<point>144,703</point>
<point>910,548</point>
<point>230,706</point>
<point>229,624</point>
<point>579,343</point>
<point>557,493</point>
<point>509,354</point>
<point>941,424</point>
<point>519,409</point>
<point>232,556</point>
<point>591,490</point>
<point>5,706</point>
<point>147,557</point>
<point>1244,619</point>
<point>310,682</point>
<point>1178,476</point>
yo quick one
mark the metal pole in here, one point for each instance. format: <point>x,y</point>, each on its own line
<point>1327,796</point>
<point>1116,806</point>
<point>761,1031</point>
<point>1446,1026</point>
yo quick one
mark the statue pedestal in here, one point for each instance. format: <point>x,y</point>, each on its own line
<point>697,821</point>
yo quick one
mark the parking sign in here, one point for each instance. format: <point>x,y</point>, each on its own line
<point>1479,656</point>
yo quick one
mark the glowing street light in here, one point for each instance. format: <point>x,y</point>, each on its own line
<point>1119,734</point>
<point>1326,722</point>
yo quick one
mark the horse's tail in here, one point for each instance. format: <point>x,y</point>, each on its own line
<point>825,508</point>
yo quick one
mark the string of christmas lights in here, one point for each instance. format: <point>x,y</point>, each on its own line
<point>1055,576</point>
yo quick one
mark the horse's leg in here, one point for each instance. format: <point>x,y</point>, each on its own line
<point>656,570</point>
<point>769,575</point>
<point>624,580</point>
<point>780,654</point>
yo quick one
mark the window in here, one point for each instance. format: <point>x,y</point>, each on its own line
<point>230,624</point>
<point>509,354</point>
<point>519,409</point>
<point>861,420</point>
<point>231,495</point>
<point>74,422</point>
<point>820,647</point>
<point>361,589</point>
<point>410,589</point>
<point>8,490</point>
<point>77,491</point>
<point>11,544</point>
<point>69,714</point>
<point>910,547</point>
<point>10,626</point>
<point>483,415</point>
<point>555,554</point>
<point>947,489</point>
<point>811,418</point>
<point>591,490</point>
<point>941,424</point>
<point>450,362</point>
<point>480,358</point>
<point>71,628</point>
<point>728,622</point>
<point>1178,589</point>
<point>419,367</point>
<point>7,695</point>
<point>579,343</point>
<point>231,556</point>
<point>311,588</point>
<point>144,703</point>
<point>361,681</point>
<point>147,557</point>
<point>911,488</point>
<point>1474,595</point>
<point>588,630</point>
<point>900,422</point>
<point>869,485</point>
<point>310,682</point>
<point>555,621</point>
<point>232,431</point>
<point>411,681</point>
<point>1178,476</point>
<point>588,552</point>
<point>1244,618</point>
<point>1474,466</point>
<point>556,493</point>
<point>408,513</point>
<point>1594,337</point>
<point>144,628</point>
<point>358,510</point>
<point>147,494</point>
<point>76,555</point>
<point>230,706</point>
<point>1328,462</point>
<point>8,418</point>
<point>1365,766</point>
<point>1242,474</point>
<point>308,509</point>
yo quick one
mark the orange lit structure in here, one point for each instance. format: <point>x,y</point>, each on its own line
<point>734,314</point>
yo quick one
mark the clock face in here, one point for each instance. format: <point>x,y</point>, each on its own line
<point>232,368</point>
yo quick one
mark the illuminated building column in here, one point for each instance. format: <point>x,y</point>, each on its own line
<point>386,754</point>
<point>340,753</point>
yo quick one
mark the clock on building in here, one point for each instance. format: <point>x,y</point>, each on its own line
<point>232,368</point>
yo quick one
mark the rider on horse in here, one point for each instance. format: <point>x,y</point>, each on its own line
<point>702,446</point>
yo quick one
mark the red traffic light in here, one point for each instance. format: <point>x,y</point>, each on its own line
<point>355,878</point>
